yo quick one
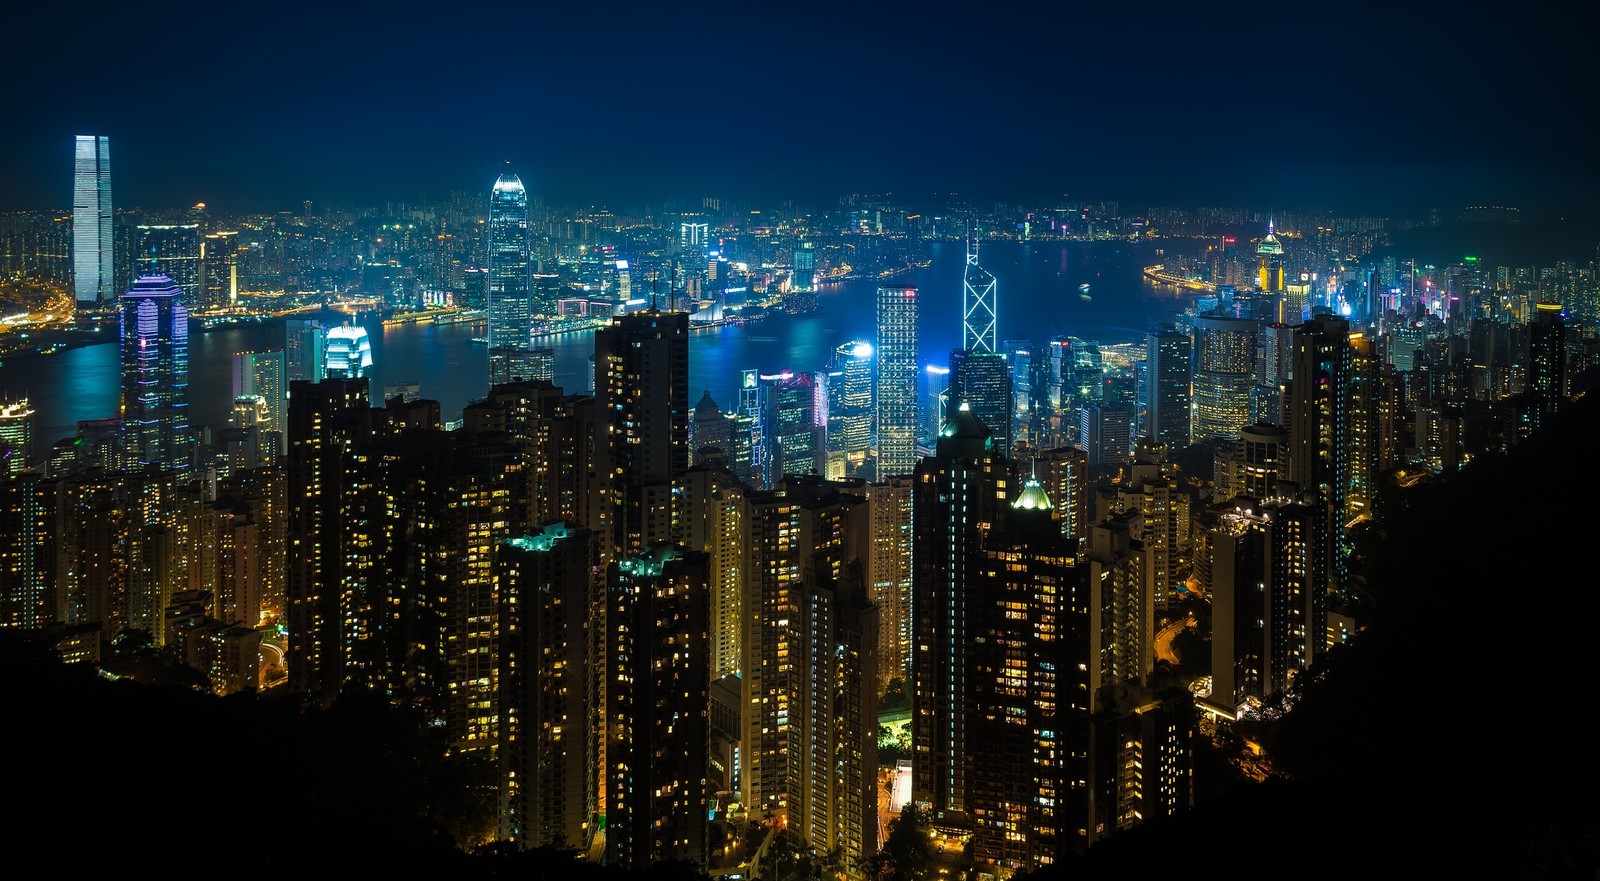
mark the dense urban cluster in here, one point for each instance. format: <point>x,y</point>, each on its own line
<point>998,599</point>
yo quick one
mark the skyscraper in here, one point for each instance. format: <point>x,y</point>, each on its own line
<point>260,374</point>
<point>349,352</point>
<point>91,220</point>
<point>510,271</point>
<point>1224,363</point>
<point>849,395</point>
<point>219,270</point>
<point>982,381</point>
<point>155,375</point>
<point>800,418</point>
<point>978,319</point>
<point>305,350</point>
<point>173,250</point>
<point>16,437</point>
<point>1317,409</point>
<point>641,379</point>
<point>897,380</point>
<point>1167,355</point>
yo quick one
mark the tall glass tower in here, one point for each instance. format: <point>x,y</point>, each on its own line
<point>897,380</point>
<point>510,282</point>
<point>977,305</point>
<point>91,219</point>
<point>155,375</point>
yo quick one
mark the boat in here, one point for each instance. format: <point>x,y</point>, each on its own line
<point>1083,292</point>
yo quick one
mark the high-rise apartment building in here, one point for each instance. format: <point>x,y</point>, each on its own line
<point>958,497</point>
<point>642,383</point>
<point>1317,408</point>
<point>1063,473</point>
<point>896,392</point>
<point>889,572</point>
<point>1105,434</point>
<point>155,376</point>
<point>510,281</point>
<point>656,708</point>
<point>92,264</point>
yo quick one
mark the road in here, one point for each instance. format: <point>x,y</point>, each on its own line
<point>1165,636</point>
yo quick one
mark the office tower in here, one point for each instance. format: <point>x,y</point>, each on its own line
<point>219,270</point>
<point>957,498</point>
<point>889,572</point>
<point>1317,410</point>
<point>510,271</point>
<point>543,701</point>
<point>849,397</point>
<point>1063,474</point>
<point>1019,361</point>
<point>1296,302</point>
<point>710,430</point>
<point>172,250</point>
<point>978,303</point>
<point>1026,703</point>
<point>349,352</point>
<point>642,384</point>
<point>1365,434</point>
<point>16,437</point>
<point>521,364</point>
<point>1105,434</point>
<point>803,278</point>
<point>474,288</point>
<point>1274,363</point>
<point>1166,358</point>
<point>27,550</point>
<point>933,393</point>
<point>91,221</point>
<point>305,350</point>
<point>1269,274</point>
<point>713,521</point>
<point>754,443</point>
<point>324,419</point>
<point>155,376</point>
<point>897,380</point>
<point>1224,362</point>
<point>656,708</point>
<point>800,419</point>
<point>1269,597</point>
<point>983,381</point>
<point>261,374</point>
<point>1121,611</point>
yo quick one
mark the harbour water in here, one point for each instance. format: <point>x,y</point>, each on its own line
<point>1039,292</point>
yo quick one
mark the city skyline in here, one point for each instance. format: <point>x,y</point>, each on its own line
<point>1092,103</point>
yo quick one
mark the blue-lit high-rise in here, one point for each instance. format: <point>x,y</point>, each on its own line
<point>849,385</point>
<point>349,352</point>
<point>91,220</point>
<point>305,350</point>
<point>155,375</point>
<point>897,380</point>
<point>510,282</point>
<point>1167,356</point>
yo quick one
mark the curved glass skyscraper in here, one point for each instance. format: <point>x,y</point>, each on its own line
<point>91,219</point>
<point>510,281</point>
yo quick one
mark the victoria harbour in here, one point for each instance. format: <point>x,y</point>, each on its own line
<point>1040,291</point>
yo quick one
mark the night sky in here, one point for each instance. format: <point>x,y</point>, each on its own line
<point>1352,106</point>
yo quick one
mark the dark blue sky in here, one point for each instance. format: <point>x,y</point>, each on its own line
<point>256,106</point>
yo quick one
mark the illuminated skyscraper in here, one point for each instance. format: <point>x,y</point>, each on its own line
<point>91,220</point>
<point>800,418</point>
<point>349,352</point>
<point>1269,276</point>
<point>978,320</point>
<point>261,374</point>
<point>897,380</point>
<point>849,395</point>
<point>510,270</point>
<point>172,250</point>
<point>642,382</point>
<point>305,350</point>
<point>1224,363</point>
<point>982,380</point>
<point>1317,408</point>
<point>219,270</point>
<point>155,376</point>
<point>16,437</point>
<point>1167,355</point>
<point>804,277</point>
